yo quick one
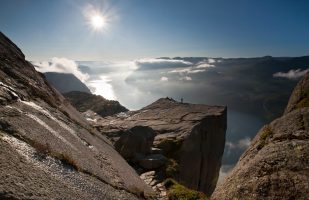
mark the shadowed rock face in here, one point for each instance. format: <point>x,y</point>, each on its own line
<point>83,101</point>
<point>66,82</point>
<point>275,166</point>
<point>47,148</point>
<point>192,134</point>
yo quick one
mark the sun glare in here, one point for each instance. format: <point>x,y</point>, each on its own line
<point>97,18</point>
<point>98,21</point>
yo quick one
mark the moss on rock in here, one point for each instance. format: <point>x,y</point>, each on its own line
<point>177,191</point>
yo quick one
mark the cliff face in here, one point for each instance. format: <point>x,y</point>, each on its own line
<point>276,164</point>
<point>47,148</point>
<point>190,134</point>
<point>66,82</point>
<point>83,101</point>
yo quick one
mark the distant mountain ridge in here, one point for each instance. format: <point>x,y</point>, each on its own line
<point>83,101</point>
<point>66,82</point>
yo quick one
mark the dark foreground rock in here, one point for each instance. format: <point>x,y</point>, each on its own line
<point>83,101</point>
<point>190,136</point>
<point>276,165</point>
<point>48,150</point>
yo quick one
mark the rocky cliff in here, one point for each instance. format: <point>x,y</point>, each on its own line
<point>66,82</point>
<point>48,150</point>
<point>83,101</point>
<point>188,138</point>
<point>276,165</point>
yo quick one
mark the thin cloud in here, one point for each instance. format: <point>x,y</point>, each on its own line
<point>163,78</point>
<point>241,144</point>
<point>197,68</point>
<point>204,65</point>
<point>61,65</point>
<point>186,78</point>
<point>292,74</point>
<point>160,63</point>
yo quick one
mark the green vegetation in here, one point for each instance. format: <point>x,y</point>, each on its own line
<point>177,191</point>
<point>171,169</point>
<point>304,102</point>
<point>170,147</point>
<point>266,133</point>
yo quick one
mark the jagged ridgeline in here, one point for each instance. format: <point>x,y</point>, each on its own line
<point>276,164</point>
<point>48,150</point>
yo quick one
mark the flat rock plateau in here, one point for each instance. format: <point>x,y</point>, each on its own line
<point>179,140</point>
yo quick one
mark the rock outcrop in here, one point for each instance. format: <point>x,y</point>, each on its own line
<point>276,165</point>
<point>134,141</point>
<point>48,150</point>
<point>66,82</point>
<point>192,135</point>
<point>83,101</point>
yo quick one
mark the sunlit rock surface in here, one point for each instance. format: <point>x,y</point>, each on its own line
<point>48,150</point>
<point>276,165</point>
<point>191,134</point>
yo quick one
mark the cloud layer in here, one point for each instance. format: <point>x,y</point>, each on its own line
<point>160,63</point>
<point>292,74</point>
<point>61,65</point>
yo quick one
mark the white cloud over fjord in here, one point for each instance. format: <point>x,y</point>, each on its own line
<point>291,74</point>
<point>241,144</point>
<point>61,65</point>
<point>163,78</point>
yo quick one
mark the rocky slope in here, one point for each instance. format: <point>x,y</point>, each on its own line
<point>66,82</point>
<point>276,165</point>
<point>83,101</point>
<point>186,140</point>
<point>48,150</point>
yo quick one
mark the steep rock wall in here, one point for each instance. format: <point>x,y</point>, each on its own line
<point>276,164</point>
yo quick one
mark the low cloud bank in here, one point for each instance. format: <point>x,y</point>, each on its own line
<point>292,74</point>
<point>196,68</point>
<point>241,144</point>
<point>160,63</point>
<point>61,65</point>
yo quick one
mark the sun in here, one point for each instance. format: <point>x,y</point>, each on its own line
<point>97,21</point>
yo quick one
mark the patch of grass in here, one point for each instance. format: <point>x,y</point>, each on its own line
<point>266,133</point>
<point>170,147</point>
<point>177,191</point>
<point>65,160</point>
<point>171,169</point>
<point>304,102</point>
<point>44,150</point>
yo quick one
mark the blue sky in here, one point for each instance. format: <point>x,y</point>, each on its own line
<point>138,28</point>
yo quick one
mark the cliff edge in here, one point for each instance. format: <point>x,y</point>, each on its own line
<point>185,141</point>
